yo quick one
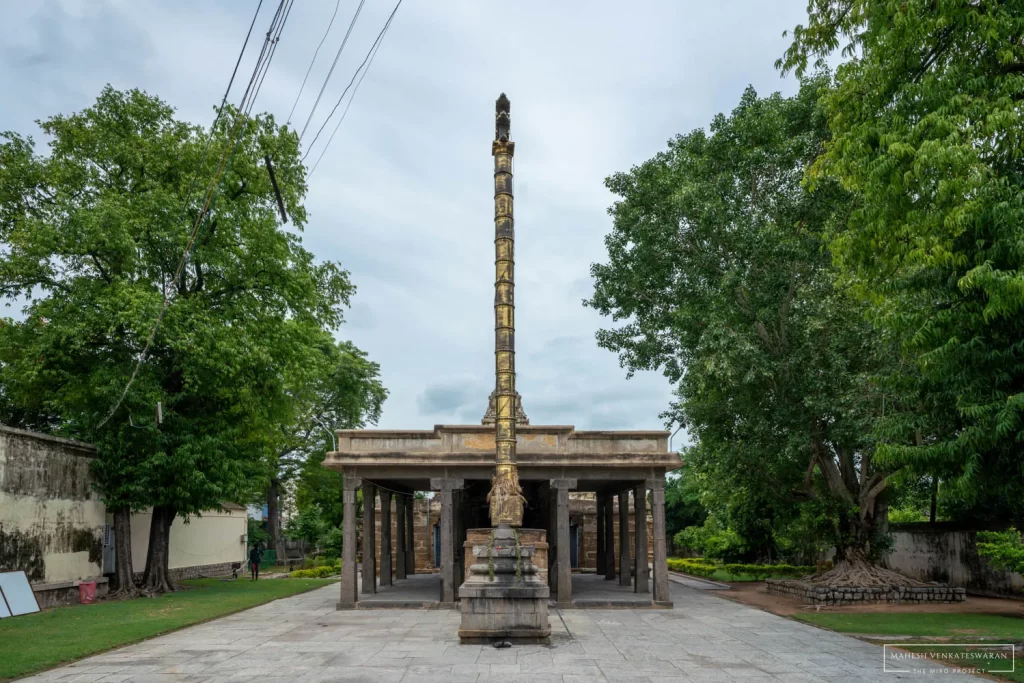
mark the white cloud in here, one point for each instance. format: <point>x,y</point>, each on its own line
<point>403,195</point>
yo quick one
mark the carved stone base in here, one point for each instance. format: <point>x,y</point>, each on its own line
<point>502,606</point>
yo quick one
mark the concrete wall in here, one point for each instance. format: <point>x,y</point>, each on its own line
<point>948,556</point>
<point>51,521</point>
<point>215,538</point>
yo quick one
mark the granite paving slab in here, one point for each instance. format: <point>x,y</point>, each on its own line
<point>305,639</point>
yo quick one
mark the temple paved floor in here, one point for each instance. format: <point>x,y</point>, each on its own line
<point>303,638</point>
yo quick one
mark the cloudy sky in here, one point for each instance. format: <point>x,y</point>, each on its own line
<point>403,196</point>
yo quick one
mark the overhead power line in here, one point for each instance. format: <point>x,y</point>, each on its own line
<point>313,61</point>
<point>368,58</point>
<point>213,189</point>
<point>337,56</point>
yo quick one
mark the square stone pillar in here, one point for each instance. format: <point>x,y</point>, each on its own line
<point>661,591</point>
<point>640,584</point>
<point>400,543</point>
<point>609,537</point>
<point>599,519</point>
<point>625,568</point>
<point>564,577</point>
<point>458,542</point>
<point>447,489</point>
<point>385,538</point>
<point>410,549</point>
<point>349,580</point>
<point>551,507</point>
<point>369,539</point>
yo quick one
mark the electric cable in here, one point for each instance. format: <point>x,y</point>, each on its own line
<point>333,65</point>
<point>372,50</point>
<point>313,61</point>
<point>224,163</point>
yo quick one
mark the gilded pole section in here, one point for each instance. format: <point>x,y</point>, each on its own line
<point>506,498</point>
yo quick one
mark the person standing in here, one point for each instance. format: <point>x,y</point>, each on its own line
<point>255,556</point>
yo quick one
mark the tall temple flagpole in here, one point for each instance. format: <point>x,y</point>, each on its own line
<point>506,497</point>
<point>504,598</point>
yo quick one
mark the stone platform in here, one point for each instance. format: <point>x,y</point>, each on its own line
<point>832,595</point>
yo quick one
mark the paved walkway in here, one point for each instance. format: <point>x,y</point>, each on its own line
<point>305,639</point>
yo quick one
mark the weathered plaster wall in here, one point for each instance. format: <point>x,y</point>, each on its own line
<point>218,537</point>
<point>51,521</point>
<point>950,557</point>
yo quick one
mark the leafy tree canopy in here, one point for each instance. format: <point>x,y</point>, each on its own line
<point>926,128</point>
<point>94,232</point>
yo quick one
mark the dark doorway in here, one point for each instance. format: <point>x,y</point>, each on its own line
<point>574,546</point>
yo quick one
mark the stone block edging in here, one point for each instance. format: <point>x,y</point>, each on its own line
<point>838,596</point>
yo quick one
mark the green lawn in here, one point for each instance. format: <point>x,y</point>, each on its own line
<point>923,626</point>
<point>40,641</point>
<point>919,624</point>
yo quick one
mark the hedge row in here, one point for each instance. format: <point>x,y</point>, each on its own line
<point>700,567</point>
<point>314,573</point>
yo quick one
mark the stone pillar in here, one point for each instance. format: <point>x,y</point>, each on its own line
<point>369,540</point>
<point>609,537</point>
<point>400,543</point>
<point>385,538</point>
<point>625,568</point>
<point>661,592</point>
<point>640,539</point>
<point>447,488</point>
<point>562,561</point>
<point>599,519</point>
<point>349,581</point>
<point>458,542</point>
<point>410,548</point>
<point>552,536</point>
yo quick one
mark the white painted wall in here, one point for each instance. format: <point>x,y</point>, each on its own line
<point>51,520</point>
<point>217,536</point>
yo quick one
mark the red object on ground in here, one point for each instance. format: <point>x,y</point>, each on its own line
<point>87,592</point>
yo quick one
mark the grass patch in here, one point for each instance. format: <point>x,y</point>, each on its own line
<point>40,641</point>
<point>925,627</point>
<point>923,624</point>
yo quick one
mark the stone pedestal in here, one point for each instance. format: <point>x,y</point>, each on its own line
<point>501,605</point>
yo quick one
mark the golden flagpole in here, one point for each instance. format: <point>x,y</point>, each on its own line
<point>506,497</point>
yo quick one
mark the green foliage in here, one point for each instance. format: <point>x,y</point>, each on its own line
<point>332,543</point>
<point>93,233</point>
<point>711,540</point>
<point>321,572</point>
<point>697,567</point>
<point>257,533</point>
<point>926,128</point>
<point>307,526</point>
<point>683,505</point>
<point>718,262</point>
<point>1002,549</point>
<point>758,572</point>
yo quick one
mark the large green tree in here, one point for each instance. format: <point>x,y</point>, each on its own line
<point>342,390</point>
<point>93,234</point>
<point>927,128</point>
<point>717,265</point>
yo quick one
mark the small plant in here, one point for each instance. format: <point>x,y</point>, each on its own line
<point>314,573</point>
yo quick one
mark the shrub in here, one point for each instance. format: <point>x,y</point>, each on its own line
<point>314,573</point>
<point>702,567</point>
<point>697,566</point>
<point>1002,549</point>
<point>711,540</point>
<point>332,543</point>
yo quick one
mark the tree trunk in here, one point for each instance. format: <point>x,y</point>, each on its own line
<point>157,577</point>
<point>274,520</point>
<point>124,572</point>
